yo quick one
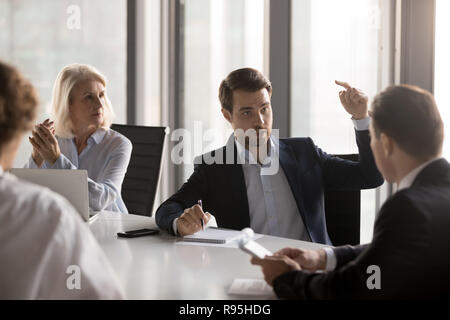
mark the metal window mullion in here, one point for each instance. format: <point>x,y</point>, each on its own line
<point>131,62</point>
<point>171,85</point>
<point>280,63</point>
<point>417,43</point>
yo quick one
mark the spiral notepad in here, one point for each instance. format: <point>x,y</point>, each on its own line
<point>214,235</point>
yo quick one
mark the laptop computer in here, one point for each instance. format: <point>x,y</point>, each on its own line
<point>71,184</point>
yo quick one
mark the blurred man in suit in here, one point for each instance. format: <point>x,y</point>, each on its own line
<point>409,256</point>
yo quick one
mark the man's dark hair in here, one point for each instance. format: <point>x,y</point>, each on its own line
<point>246,79</point>
<point>409,115</point>
<point>18,103</point>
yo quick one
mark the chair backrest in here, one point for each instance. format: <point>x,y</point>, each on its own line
<point>143,173</point>
<point>343,212</point>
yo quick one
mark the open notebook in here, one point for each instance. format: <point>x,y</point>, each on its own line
<point>215,235</point>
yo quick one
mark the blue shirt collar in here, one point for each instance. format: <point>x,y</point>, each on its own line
<point>98,135</point>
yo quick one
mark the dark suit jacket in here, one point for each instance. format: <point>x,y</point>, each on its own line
<point>309,172</point>
<point>411,246</point>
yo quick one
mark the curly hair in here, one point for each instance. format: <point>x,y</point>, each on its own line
<point>18,103</point>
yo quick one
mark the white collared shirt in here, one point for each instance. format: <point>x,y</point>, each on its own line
<point>45,246</point>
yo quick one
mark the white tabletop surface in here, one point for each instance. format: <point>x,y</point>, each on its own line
<point>154,267</point>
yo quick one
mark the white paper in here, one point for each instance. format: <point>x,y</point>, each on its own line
<point>251,287</point>
<point>231,244</point>
<point>214,234</point>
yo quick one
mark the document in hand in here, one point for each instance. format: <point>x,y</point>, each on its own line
<point>215,235</point>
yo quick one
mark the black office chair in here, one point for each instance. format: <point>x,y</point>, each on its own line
<point>343,213</point>
<point>141,179</point>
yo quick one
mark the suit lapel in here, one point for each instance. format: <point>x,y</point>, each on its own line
<point>291,170</point>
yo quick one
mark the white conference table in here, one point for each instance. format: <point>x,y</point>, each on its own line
<point>154,267</point>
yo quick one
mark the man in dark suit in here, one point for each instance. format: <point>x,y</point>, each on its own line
<point>241,184</point>
<point>409,256</point>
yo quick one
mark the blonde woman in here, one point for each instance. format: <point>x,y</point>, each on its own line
<point>80,136</point>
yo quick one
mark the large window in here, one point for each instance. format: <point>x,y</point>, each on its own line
<point>41,37</point>
<point>219,36</point>
<point>442,68</point>
<point>334,40</point>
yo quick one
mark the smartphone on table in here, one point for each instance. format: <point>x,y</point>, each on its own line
<point>253,248</point>
<point>137,233</point>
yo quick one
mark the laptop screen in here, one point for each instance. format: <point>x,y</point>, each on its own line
<point>71,184</point>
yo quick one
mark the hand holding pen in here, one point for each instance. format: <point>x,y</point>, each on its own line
<point>192,220</point>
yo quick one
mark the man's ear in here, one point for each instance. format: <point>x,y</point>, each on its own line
<point>387,143</point>
<point>227,115</point>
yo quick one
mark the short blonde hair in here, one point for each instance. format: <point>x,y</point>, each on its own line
<point>66,80</point>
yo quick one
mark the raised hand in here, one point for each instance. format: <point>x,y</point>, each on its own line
<point>354,101</point>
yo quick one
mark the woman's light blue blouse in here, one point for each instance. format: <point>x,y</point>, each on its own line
<point>105,158</point>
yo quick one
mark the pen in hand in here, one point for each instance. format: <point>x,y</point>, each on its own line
<point>201,220</point>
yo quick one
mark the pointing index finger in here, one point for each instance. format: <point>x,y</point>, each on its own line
<point>343,84</point>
